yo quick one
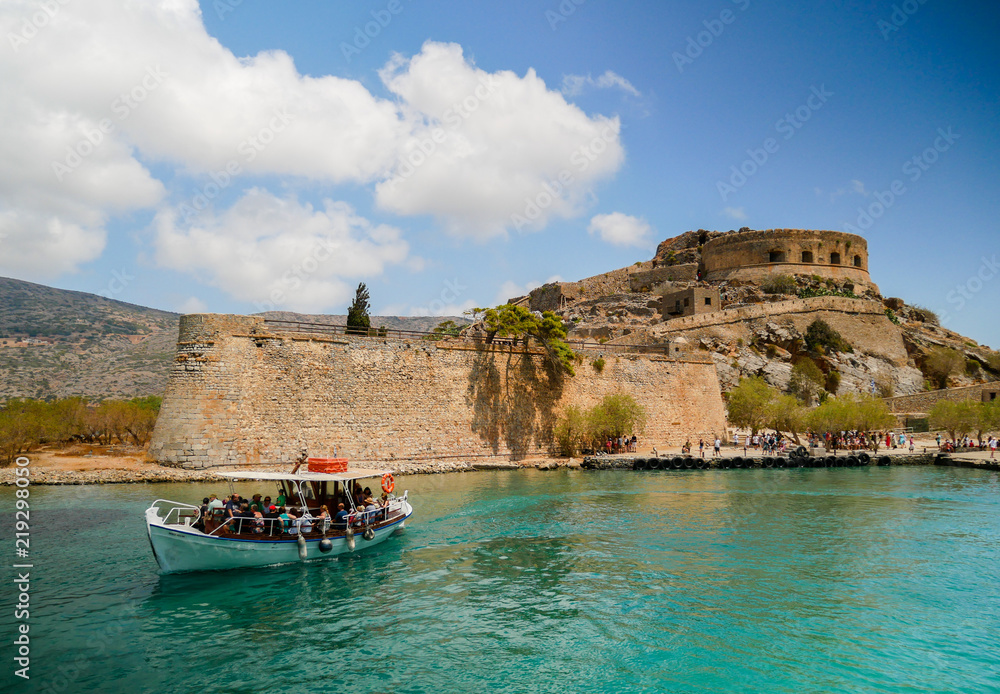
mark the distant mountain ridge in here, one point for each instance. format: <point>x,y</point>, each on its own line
<point>60,343</point>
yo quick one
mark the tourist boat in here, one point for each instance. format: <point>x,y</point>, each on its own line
<point>184,541</point>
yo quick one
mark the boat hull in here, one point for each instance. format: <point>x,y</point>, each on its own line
<point>181,548</point>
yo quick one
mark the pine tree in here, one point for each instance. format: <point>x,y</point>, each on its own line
<point>358,321</point>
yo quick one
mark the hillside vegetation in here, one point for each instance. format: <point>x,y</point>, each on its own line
<point>56,343</point>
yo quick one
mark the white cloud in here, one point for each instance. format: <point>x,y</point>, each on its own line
<point>177,94</point>
<point>737,213</point>
<point>279,253</point>
<point>621,229</point>
<point>574,85</point>
<point>192,305</point>
<point>854,187</point>
<point>168,92</point>
<point>486,145</point>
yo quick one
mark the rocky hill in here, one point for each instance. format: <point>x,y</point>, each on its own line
<point>760,328</point>
<point>58,343</point>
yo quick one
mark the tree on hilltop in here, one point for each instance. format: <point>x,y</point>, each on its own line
<point>519,323</point>
<point>358,320</point>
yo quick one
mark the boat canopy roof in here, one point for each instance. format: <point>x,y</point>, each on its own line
<point>302,476</point>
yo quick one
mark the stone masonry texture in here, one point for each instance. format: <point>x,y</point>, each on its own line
<point>240,393</point>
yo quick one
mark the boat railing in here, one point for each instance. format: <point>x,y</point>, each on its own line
<point>175,513</point>
<point>217,523</point>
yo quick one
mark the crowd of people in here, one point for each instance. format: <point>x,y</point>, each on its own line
<point>260,515</point>
<point>621,444</point>
<point>968,444</point>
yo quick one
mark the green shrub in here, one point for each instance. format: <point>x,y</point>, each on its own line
<point>821,338</point>
<point>779,284</point>
<point>940,363</point>
<point>598,364</point>
<point>833,382</point>
<point>926,315</point>
<point>891,315</point>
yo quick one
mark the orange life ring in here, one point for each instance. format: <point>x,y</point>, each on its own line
<point>388,483</point>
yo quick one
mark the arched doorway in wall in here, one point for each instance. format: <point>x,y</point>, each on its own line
<point>776,257</point>
<point>835,258</point>
<point>807,256</point>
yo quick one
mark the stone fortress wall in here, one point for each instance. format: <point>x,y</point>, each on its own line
<point>921,403</point>
<point>755,255</point>
<point>742,314</point>
<point>241,392</point>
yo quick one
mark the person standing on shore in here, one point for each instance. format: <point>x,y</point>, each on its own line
<point>718,445</point>
<point>701,447</point>
<point>993,447</point>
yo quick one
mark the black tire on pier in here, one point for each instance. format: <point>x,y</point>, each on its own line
<point>676,463</point>
<point>830,461</point>
<point>654,463</point>
<point>766,461</point>
<point>725,463</point>
<point>853,461</point>
<point>864,458</point>
<point>885,461</point>
<point>781,461</point>
<point>801,452</point>
<point>687,463</point>
<point>639,464</point>
<point>704,465</point>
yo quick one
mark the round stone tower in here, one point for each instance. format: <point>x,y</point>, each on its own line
<point>755,255</point>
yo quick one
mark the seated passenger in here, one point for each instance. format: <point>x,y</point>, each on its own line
<point>258,522</point>
<point>286,520</point>
<point>341,518</point>
<point>305,521</point>
<point>256,504</point>
<point>324,519</point>
<point>202,513</point>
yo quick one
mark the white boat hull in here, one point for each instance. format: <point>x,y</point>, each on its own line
<point>183,548</point>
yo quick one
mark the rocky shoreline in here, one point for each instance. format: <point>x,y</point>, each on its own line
<point>153,474</point>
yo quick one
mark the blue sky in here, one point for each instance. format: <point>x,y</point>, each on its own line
<point>663,100</point>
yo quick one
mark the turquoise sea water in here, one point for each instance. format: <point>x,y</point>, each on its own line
<point>874,579</point>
